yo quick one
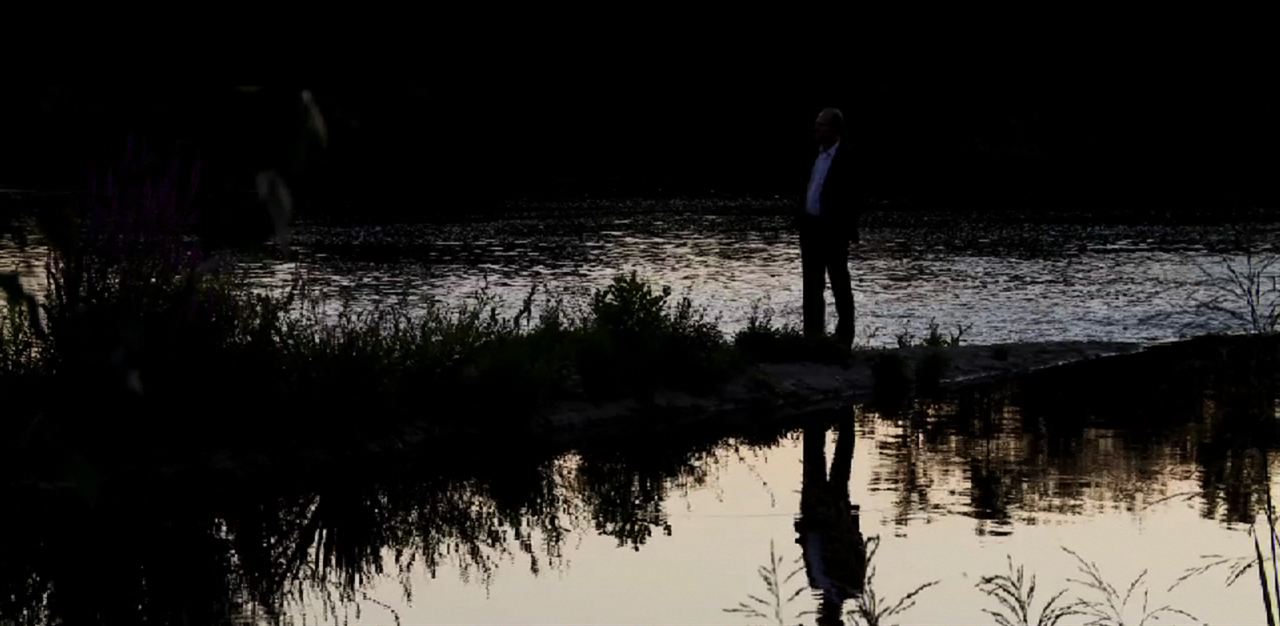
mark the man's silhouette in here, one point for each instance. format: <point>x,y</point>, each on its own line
<point>828,220</point>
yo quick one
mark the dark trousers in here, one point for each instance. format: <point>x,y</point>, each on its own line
<point>824,253</point>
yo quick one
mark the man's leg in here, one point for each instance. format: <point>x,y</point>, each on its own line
<point>813,266</point>
<point>837,261</point>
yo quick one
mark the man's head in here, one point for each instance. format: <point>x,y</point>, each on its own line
<point>828,127</point>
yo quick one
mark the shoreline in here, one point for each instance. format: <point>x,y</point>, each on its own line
<point>773,390</point>
<point>767,397</point>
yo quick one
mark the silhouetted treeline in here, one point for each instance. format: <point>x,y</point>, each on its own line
<point>430,144</point>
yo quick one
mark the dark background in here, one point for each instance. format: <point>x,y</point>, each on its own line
<point>967,122</point>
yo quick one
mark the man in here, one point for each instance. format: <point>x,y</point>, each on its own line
<point>828,223</point>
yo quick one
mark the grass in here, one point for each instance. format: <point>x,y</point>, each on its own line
<point>1109,607</point>
<point>1269,601</point>
<point>1247,293</point>
<point>934,338</point>
<point>898,379</point>
<point>771,605</point>
<point>1265,562</point>
<point>764,340</point>
<point>1015,593</point>
<point>870,609</point>
<point>184,359</point>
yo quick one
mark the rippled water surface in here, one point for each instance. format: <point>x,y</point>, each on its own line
<point>1005,281</point>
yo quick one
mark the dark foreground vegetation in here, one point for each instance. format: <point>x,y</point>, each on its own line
<point>140,350</point>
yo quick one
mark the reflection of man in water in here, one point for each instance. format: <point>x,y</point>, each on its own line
<point>835,557</point>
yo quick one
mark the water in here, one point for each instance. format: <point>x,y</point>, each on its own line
<point>1148,474</point>
<point>1145,466</point>
<point>1145,463</point>
<point>1003,281</point>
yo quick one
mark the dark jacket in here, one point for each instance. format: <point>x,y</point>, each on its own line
<point>842,198</point>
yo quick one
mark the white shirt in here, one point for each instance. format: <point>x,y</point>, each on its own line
<point>821,165</point>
